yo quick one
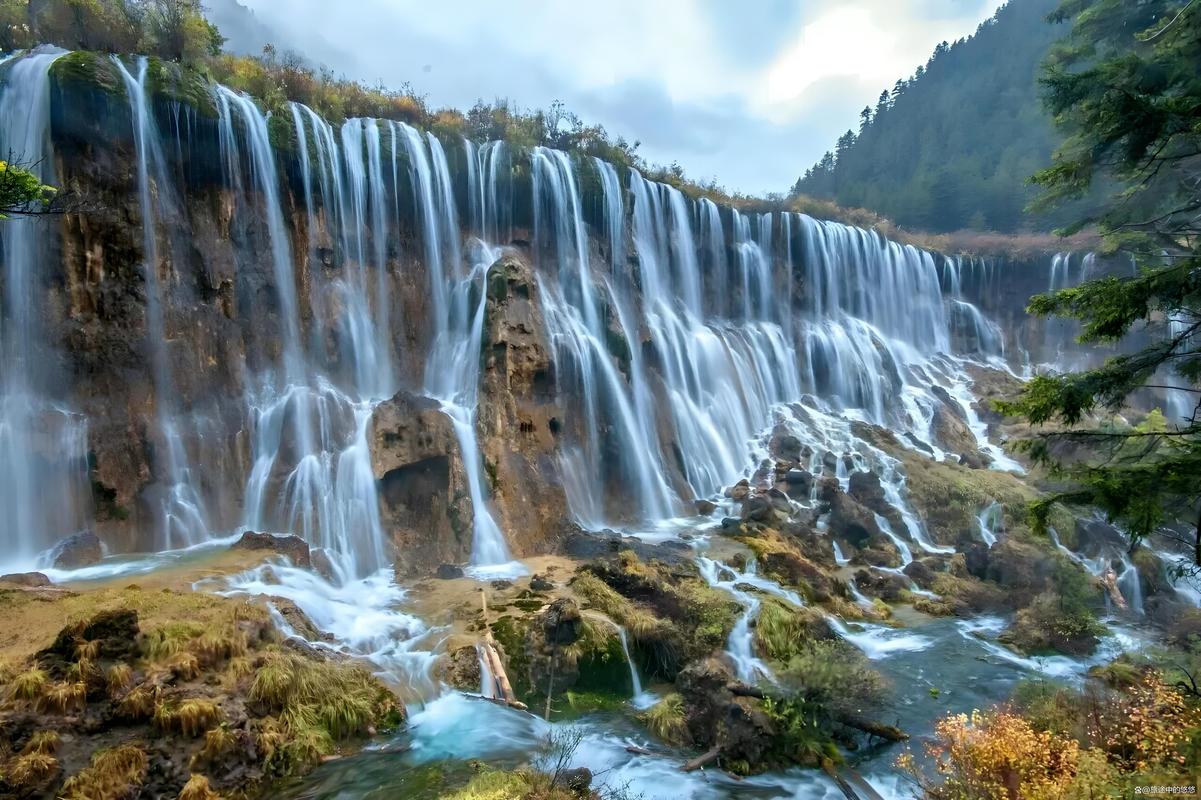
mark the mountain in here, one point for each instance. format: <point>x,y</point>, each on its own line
<point>951,147</point>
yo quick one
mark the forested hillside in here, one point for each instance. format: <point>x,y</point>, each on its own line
<point>953,146</point>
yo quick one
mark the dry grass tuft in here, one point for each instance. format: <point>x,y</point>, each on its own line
<point>197,788</point>
<point>141,703</point>
<point>63,697</point>
<point>118,678</point>
<point>116,772</point>
<point>28,685</point>
<point>666,720</point>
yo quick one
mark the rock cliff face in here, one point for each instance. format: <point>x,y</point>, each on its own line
<point>303,323</point>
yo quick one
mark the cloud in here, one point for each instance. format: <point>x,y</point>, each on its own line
<point>748,93</point>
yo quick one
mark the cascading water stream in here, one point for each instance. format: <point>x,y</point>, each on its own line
<point>182,517</point>
<point>740,646</point>
<point>43,443</point>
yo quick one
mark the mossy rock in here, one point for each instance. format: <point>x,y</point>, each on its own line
<point>169,81</point>
<point>86,70</point>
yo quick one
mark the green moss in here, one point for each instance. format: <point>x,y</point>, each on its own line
<point>509,633</point>
<point>949,497</point>
<point>89,71</point>
<point>282,134</point>
<point>185,85</point>
<point>601,663</point>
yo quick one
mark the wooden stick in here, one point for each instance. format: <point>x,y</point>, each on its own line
<point>701,761</point>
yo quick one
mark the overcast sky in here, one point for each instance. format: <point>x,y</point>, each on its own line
<point>750,92</point>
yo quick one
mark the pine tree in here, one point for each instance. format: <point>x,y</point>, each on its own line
<point>1126,88</point>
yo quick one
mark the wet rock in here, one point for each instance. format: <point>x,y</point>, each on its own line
<point>114,635</point>
<point>951,432</point>
<point>919,444</point>
<point>502,584</point>
<point>541,584</point>
<point>779,501</point>
<point>448,572</point>
<point>799,483</point>
<point>322,564</point>
<point>298,621</point>
<point>721,713</point>
<point>829,463</point>
<point>587,545</point>
<point>26,579</point>
<point>921,573</point>
<point>976,557</point>
<point>887,586</point>
<point>461,669</point>
<point>561,622</point>
<point>757,509</point>
<point>784,445</point>
<point>865,487</point>
<point>78,550</point>
<point>848,519</point>
<point>705,507</point>
<point>289,545</point>
<point>739,491</point>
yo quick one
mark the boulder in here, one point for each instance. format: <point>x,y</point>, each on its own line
<point>888,586</point>
<point>322,564</point>
<point>588,545</point>
<point>461,669</point>
<point>848,519</point>
<point>784,445</point>
<point>865,487</point>
<point>705,507</point>
<point>921,573</point>
<point>561,622</point>
<point>448,572</point>
<point>78,550</point>
<point>538,583</point>
<point>757,509</point>
<point>289,545</point>
<point>27,579</point>
<point>723,714</point>
<point>798,483</point>
<point>739,491</point>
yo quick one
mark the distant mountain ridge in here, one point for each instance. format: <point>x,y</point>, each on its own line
<point>951,147</point>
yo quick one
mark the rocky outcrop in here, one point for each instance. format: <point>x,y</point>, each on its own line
<point>520,419</point>
<point>80,550</point>
<point>292,547</point>
<point>424,503</point>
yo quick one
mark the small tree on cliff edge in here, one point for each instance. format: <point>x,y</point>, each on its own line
<point>1125,87</point>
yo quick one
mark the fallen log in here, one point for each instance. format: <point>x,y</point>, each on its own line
<point>496,666</point>
<point>888,732</point>
<point>702,760</point>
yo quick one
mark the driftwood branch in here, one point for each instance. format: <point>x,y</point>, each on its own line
<point>702,760</point>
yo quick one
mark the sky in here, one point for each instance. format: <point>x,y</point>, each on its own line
<point>749,92</point>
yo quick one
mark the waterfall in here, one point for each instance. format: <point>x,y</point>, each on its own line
<point>740,645</point>
<point>43,443</point>
<point>990,520</point>
<point>182,516</point>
